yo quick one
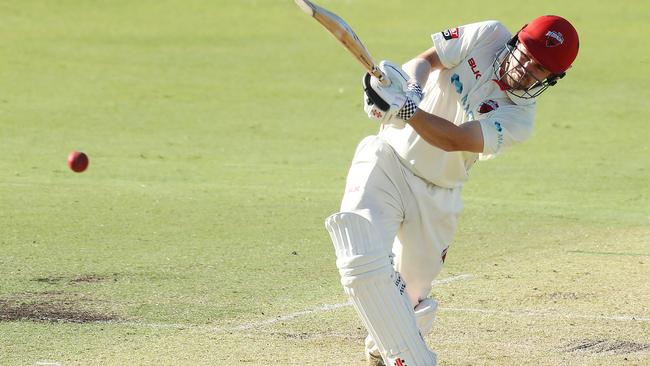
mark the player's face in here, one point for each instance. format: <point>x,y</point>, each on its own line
<point>520,71</point>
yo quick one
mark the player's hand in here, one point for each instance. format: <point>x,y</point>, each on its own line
<point>393,104</point>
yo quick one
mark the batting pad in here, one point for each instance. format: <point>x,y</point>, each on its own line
<point>377,291</point>
<point>425,315</point>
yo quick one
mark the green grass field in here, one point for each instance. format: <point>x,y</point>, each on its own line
<point>219,135</point>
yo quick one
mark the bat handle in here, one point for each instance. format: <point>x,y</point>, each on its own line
<point>383,80</point>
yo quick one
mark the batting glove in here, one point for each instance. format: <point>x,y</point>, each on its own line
<point>393,104</point>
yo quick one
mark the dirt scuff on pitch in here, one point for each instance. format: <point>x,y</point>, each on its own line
<point>53,306</point>
<point>83,278</point>
<point>599,346</point>
<point>90,278</point>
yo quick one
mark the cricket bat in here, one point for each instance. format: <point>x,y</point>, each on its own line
<point>344,34</point>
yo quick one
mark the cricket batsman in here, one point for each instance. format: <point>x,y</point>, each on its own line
<point>469,97</point>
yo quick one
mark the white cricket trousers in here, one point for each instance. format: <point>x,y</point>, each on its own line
<point>418,217</point>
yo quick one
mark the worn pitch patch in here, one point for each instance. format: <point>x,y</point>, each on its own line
<point>55,306</point>
<point>610,346</point>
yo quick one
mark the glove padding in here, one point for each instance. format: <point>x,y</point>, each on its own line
<point>393,104</point>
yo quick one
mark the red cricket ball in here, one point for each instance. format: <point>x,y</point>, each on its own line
<point>78,161</point>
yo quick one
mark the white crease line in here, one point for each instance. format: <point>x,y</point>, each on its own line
<point>178,326</point>
<point>321,309</point>
<point>326,308</point>
<point>452,279</point>
<point>531,313</point>
<point>48,363</point>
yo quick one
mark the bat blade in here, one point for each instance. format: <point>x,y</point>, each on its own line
<point>306,6</point>
<point>344,34</point>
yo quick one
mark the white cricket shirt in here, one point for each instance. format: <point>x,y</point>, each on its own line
<point>465,90</point>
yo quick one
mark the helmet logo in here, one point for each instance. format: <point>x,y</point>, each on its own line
<point>554,39</point>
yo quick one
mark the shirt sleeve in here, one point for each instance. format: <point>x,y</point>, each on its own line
<point>506,127</point>
<point>454,44</point>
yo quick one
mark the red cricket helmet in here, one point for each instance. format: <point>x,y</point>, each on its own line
<point>552,41</point>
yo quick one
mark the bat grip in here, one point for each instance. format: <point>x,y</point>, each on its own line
<point>383,80</point>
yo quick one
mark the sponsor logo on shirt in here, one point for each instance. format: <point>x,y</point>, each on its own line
<point>455,80</point>
<point>450,34</point>
<point>488,106</point>
<point>353,189</point>
<point>499,135</point>
<point>472,65</point>
<point>458,85</point>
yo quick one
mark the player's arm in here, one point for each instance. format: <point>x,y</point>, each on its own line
<point>433,129</point>
<point>422,65</point>
<point>398,103</point>
<point>445,135</point>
